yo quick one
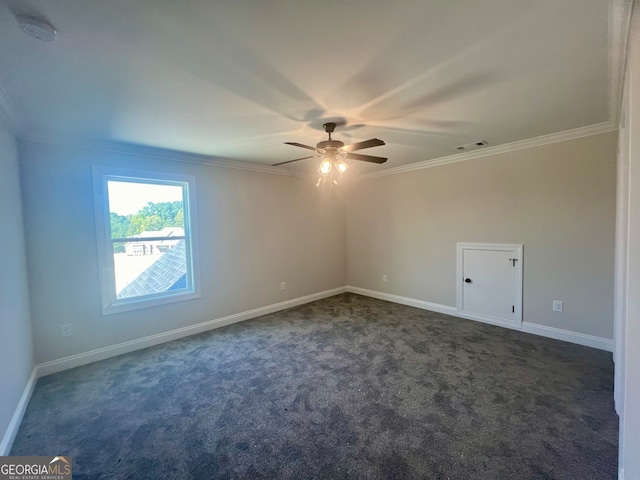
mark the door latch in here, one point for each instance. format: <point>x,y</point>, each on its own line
<point>513,261</point>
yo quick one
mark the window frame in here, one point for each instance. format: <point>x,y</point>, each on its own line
<point>110,304</point>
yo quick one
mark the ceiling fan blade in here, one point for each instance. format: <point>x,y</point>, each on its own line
<point>295,144</point>
<point>289,161</point>
<point>374,142</point>
<point>366,158</point>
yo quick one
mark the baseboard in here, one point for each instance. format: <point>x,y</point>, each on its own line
<point>488,320</point>
<point>73,361</point>
<point>527,327</point>
<point>411,302</point>
<point>16,419</point>
<point>569,336</point>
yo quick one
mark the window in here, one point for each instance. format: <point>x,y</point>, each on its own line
<point>146,239</point>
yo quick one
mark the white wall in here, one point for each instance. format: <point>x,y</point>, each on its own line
<point>255,230</point>
<point>628,266</point>
<point>558,200</point>
<point>16,348</point>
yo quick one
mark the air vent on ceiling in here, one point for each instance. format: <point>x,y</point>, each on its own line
<point>471,145</point>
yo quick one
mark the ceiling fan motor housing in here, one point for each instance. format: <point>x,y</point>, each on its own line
<point>330,145</point>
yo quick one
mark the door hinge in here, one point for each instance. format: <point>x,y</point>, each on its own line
<point>513,309</point>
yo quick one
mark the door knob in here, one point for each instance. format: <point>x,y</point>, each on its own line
<point>467,280</point>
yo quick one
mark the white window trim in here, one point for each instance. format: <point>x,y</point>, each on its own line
<point>110,303</point>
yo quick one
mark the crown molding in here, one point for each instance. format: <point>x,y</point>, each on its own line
<point>159,153</point>
<point>619,25</point>
<point>176,156</point>
<point>505,148</point>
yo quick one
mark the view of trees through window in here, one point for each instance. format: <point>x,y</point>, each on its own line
<point>148,234</point>
<point>146,238</point>
<point>152,217</point>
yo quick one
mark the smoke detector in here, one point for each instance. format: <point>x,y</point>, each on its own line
<point>37,28</point>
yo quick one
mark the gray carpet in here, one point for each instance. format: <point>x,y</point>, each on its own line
<point>346,387</point>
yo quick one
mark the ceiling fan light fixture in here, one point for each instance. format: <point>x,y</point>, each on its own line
<point>341,166</point>
<point>325,166</point>
<point>333,154</point>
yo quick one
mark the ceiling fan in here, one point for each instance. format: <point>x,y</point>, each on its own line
<point>338,148</point>
<point>334,152</point>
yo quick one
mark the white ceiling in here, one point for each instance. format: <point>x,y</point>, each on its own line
<point>236,79</point>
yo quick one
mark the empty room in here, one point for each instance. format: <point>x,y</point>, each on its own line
<point>320,240</point>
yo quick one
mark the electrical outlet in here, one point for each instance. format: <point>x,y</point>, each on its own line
<point>66,330</point>
<point>558,306</point>
<point>385,279</point>
<point>283,285</point>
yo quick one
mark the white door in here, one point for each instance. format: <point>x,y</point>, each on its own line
<point>490,283</point>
